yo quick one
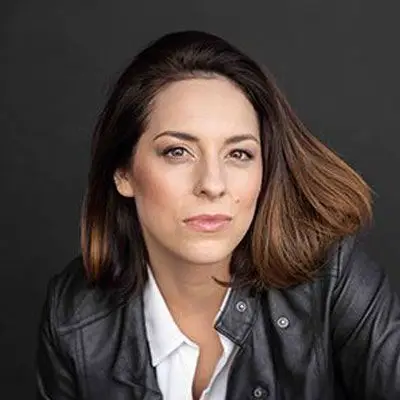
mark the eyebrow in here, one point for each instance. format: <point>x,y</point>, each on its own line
<point>191,138</point>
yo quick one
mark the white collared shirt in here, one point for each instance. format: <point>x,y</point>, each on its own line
<point>175,356</point>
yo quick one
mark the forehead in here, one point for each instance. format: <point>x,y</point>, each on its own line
<point>201,106</point>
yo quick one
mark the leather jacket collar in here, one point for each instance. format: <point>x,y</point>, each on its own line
<point>235,322</point>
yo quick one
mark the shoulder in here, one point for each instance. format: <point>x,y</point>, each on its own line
<point>359,288</point>
<point>350,264</point>
<point>71,300</point>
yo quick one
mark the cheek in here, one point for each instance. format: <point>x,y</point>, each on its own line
<point>154,191</point>
<point>247,190</point>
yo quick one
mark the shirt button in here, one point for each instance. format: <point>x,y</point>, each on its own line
<point>241,306</point>
<point>283,322</point>
<point>259,393</point>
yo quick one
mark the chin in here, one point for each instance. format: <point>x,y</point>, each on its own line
<point>212,250</point>
<point>206,255</point>
<point>206,260</point>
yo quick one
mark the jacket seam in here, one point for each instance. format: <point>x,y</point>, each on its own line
<point>81,361</point>
<point>65,329</point>
<point>320,351</point>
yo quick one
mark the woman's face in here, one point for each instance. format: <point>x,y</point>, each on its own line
<point>196,173</point>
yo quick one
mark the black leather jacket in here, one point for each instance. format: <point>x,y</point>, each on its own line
<point>335,338</point>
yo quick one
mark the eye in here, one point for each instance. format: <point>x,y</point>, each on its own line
<point>174,152</point>
<point>241,155</point>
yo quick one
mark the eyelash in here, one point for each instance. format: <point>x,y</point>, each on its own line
<point>167,153</point>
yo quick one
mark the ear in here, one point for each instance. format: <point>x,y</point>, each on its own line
<point>123,183</point>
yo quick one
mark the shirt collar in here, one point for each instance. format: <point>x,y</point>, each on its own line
<point>163,334</point>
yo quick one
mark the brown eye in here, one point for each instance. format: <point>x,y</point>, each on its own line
<point>241,155</point>
<point>174,152</point>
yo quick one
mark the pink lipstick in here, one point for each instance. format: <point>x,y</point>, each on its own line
<point>208,222</point>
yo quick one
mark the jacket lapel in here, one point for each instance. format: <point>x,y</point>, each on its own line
<point>133,364</point>
<point>239,314</point>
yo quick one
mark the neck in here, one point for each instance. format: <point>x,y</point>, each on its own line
<point>190,289</point>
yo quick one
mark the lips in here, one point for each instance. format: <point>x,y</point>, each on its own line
<point>208,222</point>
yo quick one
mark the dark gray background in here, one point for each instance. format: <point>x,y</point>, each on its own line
<point>337,61</point>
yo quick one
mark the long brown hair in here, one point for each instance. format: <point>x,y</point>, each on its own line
<point>309,196</point>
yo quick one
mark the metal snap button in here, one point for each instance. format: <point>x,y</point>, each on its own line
<point>283,322</point>
<point>259,392</point>
<point>241,306</point>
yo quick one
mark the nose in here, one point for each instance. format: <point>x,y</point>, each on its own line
<point>211,180</point>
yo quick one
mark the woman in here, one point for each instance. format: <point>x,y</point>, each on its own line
<point>219,248</point>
